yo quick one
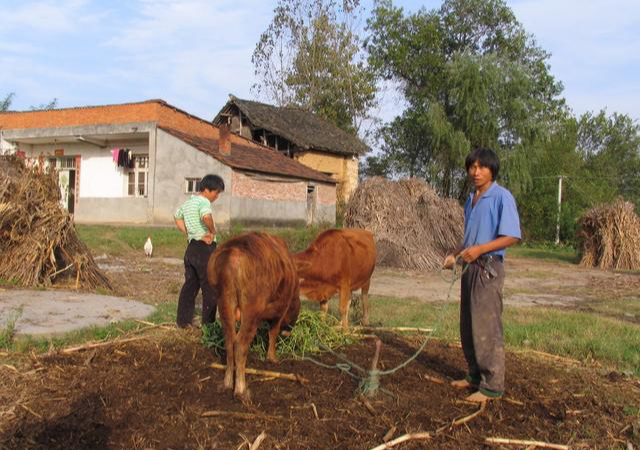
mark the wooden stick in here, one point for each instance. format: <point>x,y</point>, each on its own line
<point>433,379</point>
<point>522,442</point>
<point>420,329</point>
<point>401,439</point>
<point>286,376</point>
<point>463,419</point>
<point>239,415</point>
<point>100,344</point>
<point>258,441</point>
<point>31,411</point>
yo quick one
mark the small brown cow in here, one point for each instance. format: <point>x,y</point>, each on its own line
<point>256,280</point>
<point>338,260</point>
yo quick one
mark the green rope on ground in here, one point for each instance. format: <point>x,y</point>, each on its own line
<point>370,384</point>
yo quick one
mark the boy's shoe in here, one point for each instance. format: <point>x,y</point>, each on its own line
<point>483,395</point>
<point>467,382</point>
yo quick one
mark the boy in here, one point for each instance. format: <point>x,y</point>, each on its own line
<point>195,219</point>
<point>491,224</point>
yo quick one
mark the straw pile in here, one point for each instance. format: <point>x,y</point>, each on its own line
<point>610,236</point>
<point>38,242</point>
<point>413,227</point>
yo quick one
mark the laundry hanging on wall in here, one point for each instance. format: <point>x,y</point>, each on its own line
<point>122,157</point>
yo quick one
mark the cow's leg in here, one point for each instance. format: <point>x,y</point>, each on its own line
<point>345,301</point>
<point>365,303</point>
<point>248,328</point>
<point>274,331</point>
<point>228,319</point>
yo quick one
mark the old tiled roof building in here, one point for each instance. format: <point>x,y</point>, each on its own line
<point>298,134</point>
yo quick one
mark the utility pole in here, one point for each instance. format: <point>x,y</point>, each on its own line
<point>559,208</point>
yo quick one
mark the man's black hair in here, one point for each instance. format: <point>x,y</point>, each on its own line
<point>486,158</point>
<point>212,183</point>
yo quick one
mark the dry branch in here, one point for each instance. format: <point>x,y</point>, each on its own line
<point>413,227</point>
<point>401,439</point>
<point>261,437</point>
<point>100,344</point>
<point>239,415</point>
<point>522,442</point>
<point>286,376</point>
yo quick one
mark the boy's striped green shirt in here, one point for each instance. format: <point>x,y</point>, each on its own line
<point>192,212</point>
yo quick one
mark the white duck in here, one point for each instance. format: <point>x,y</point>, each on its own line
<point>148,247</point>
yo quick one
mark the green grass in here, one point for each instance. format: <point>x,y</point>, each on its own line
<point>169,242</point>
<point>8,330</point>
<point>544,252</point>
<point>165,312</point>
<point>578,335</point>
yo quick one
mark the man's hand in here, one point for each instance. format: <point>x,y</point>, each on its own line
<point>449,262</point>
<point>208,238</point>
<point>472,253</point>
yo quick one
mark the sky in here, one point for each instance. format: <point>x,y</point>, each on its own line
<point>194,53</point>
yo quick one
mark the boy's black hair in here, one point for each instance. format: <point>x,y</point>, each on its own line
<point>486,158</point>
<point>212,183</point>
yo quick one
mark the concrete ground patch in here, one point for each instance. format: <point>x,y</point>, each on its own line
<point>47,313</point>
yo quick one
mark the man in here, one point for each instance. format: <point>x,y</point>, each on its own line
<point>491,224</point>
<point>195,219</point>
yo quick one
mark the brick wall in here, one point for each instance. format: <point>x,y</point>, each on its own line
<point>258,188</point>
<point>326,194</point>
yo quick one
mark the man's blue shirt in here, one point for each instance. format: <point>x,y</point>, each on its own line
<point>495,214</point>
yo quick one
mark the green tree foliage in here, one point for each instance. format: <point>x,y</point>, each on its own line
<point>472,77</point>
<point>310,56</point>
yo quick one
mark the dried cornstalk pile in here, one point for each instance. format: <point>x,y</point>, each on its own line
<point>38,242</point>
<point>414,228</point>
<point>610,236</point>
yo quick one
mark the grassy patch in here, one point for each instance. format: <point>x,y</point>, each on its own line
<point>313,333</point>
<point>165,312</point>
<point>169,242</point>
<point>545,252</point>
<point>8,330</point>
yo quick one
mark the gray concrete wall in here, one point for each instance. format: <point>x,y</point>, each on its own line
<point>105,210</point>
<point>325,214</point>
<point>174,162</point>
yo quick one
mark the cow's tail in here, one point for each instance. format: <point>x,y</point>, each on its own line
<point>227,273</point>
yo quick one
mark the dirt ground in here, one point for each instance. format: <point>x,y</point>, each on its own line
<point>159,392</point>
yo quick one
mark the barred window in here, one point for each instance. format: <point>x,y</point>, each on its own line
<point>192,185</point>
<point>138,177</point>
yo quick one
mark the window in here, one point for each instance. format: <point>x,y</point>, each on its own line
<point>192,185</point>
<point>62,163</point>
<point>138,177</point>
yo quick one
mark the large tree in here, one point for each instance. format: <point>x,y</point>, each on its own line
<point>472,77</point>
<point>310,56</point>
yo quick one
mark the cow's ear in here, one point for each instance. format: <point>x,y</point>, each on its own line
<point>302,265</point>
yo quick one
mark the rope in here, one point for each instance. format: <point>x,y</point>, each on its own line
<point>371,382</point>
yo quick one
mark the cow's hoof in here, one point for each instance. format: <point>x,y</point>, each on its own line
<point>244,397</point>
<point>273,359</point>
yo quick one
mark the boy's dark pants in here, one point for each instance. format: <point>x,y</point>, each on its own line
<point>481,326</point>
<point>196,258</point>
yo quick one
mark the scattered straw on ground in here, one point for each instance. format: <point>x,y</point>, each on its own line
<point>610,236</point>
<point>38,242</point>
<point>414,228</point>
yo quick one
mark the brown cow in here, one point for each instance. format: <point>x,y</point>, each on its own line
<point>338,260</point>
<point>256,280</point>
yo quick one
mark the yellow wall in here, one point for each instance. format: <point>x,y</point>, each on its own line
<point>343,169</point>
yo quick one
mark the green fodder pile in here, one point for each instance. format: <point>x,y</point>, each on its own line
<point>39,245</point>
<point>610,237</point>
<point>414,228</point>
<point>314,332</point>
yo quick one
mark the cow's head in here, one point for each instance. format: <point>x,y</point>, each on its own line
<point>317,291</point>
<point>304,261</point>
<point>291,316</point>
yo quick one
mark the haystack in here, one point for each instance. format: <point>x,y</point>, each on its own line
<point>414,228</point>
<point>38,242</point>
<point>610,237</point>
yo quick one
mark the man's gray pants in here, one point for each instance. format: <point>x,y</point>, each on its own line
<point>481,326</point>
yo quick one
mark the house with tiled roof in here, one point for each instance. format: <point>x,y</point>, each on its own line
<point>137,162</point>
<point>300,135</point>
